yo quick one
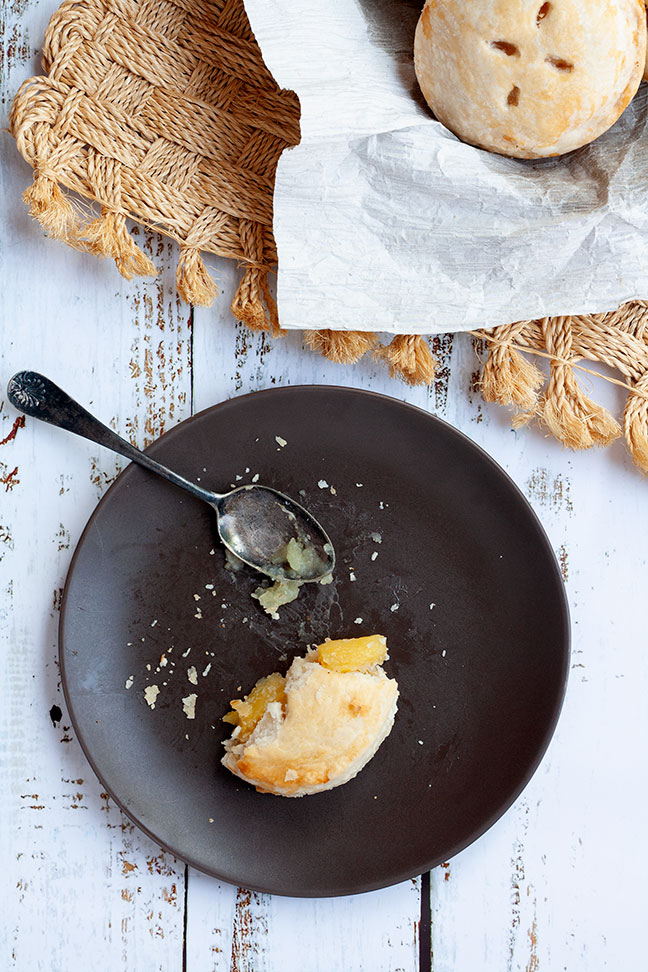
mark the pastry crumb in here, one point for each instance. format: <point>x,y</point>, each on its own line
<point>189,705</point>
<point>192,675</point>
<point>151,693</point>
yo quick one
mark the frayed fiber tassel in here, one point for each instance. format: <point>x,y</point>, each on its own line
<point>51,208</point>
<point>574,419</point>
<point>248,305</point>
<point>635,424</point>
<point>108,236</point>
<point>341,347</point>
<point>409,357</point>
<point>193,281</point>
<point>509,378</point>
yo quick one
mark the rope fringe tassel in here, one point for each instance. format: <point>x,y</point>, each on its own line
<point>408,357</point>
<point>51,208</point>
<point>193,282</point>
<point>341,347</point>
<point>108,236</point>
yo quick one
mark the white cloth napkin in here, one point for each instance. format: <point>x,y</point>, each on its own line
<point>385,221</point>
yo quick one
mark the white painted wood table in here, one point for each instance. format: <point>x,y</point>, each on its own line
<point>558,883</point>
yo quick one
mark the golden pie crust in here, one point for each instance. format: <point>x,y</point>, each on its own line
<point>329,726</point>
<point>530,78</point>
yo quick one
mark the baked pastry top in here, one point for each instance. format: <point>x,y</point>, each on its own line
<point>530,78</point>
<point>316,728</point>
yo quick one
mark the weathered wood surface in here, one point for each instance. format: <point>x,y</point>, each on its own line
<point>558,883</point>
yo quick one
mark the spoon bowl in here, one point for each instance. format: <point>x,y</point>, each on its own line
<point>274,534</point>
<point>260,526</point>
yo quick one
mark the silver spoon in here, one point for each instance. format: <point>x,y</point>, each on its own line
<point>261,526</point>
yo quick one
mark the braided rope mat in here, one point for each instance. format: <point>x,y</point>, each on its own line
<point>163,111</point>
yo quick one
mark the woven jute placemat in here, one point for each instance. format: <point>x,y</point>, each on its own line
<point>163,111</point>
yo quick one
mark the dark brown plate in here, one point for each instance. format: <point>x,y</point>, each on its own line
<point>482,673</point>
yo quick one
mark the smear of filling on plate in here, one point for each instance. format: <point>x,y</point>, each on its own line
<point>301,557</point>
<point>319,725</point>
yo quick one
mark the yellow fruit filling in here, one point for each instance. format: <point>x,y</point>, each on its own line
<point>353,654</point>
<point>247,712</point>
<point>343,655</point>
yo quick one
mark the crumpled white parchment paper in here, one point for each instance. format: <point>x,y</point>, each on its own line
<point>385,221</point>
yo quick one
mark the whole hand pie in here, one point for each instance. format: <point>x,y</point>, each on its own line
<point>530,78</point>
<point>317,726</point>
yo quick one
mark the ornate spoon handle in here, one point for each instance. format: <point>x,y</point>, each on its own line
<point>37,396</point>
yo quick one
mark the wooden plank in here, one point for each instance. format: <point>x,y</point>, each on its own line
<point>244,931</point>
<point>64,832</point>
<point>79,879</point>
